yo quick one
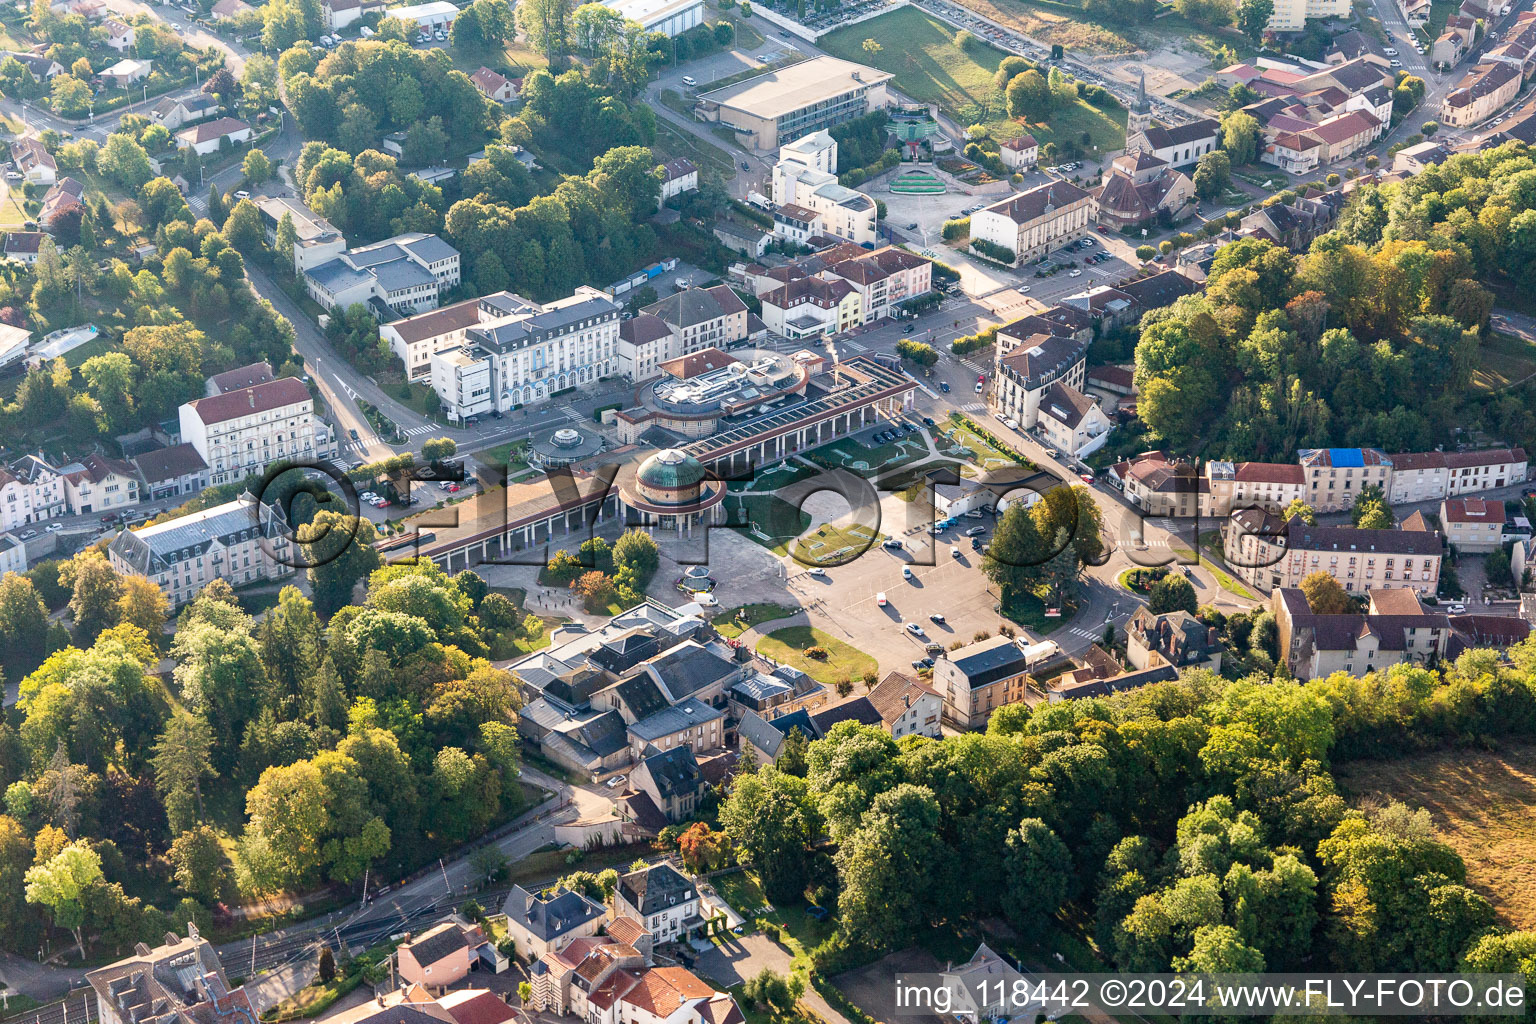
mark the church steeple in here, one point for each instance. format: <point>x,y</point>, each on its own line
<point>1139,118</point>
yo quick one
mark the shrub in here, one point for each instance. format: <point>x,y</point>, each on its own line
<point>816,653</point>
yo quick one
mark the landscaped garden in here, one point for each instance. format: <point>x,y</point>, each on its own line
<point>819,655</point>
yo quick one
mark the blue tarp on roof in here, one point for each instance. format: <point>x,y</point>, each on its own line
<point>1346,458</point>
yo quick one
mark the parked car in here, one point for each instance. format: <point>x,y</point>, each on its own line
<point>816,570</point>
<point>944,386</point>
<point>29,534</point>
<point>53,527</point>
<point>880,599</point>
<point>914,629</point>
<point>891,544</point>
<point>976,531</point>
<point>937,617</point>
<point>906,572</point>
<point>242,194</point>
<point>690,81</point>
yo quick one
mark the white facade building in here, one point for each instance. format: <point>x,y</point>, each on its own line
<point>242,432</point>
<point>806,176</point>
<point>1027,224</point>
<point>527,352</point>
<point>669,17</point>
<point>661,899</point>
<point>404,274</point>
<point>30,491</point>
<point>240,541</point>
<point>98,484</point>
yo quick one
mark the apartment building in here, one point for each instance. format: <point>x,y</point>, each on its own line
<point>980,678</point>
<point>812,307</point>
<point>1484,470</point>
<point>1269,553</point>
<point>316,240</point>
<point>806,176</point>
<point>1482,92</point>
<point>1454,41</point>
<point>1292,15</point>
<point>689,723</point>
<point>404,274</point>
<point>31,491</point>
<point>416,339</point>
<point>527,353</point>
<point>1027,368</point>
<point>1030,223</point>
<point>1395,629</point>
<point>1472,525</point>
<point>240,433</point>
<point>1334,476</point>
<point>99,484</point>
<point>661,899</point>
<point>700,318</point>
<point>240,541</point>
<point>1266,485</point>
<point>177,982</point>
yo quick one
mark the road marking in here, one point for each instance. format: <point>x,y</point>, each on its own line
<point>974,407</point>
<point>856,346</point>
<point>423,429</point>
<point>975,366</point>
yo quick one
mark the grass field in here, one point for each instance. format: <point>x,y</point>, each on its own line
<point>1482,804</point>
<point>920,51</point>
<point>707,157</point>
<point>833,545</point>
<point>1503,360</point>
<point>788,644</point>
<point>737,624</point>
<point>982,452</point>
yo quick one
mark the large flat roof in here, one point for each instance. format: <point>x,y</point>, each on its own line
<point>788,89</point>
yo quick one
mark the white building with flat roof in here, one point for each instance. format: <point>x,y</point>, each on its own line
<point>806,176</point>
<point>434,15</point>
<point>669,17</point>
<point>316,240</point>
<point>403,274</point>
<point>784,104</point>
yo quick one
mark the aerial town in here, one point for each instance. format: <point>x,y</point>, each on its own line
<point>717,511</point>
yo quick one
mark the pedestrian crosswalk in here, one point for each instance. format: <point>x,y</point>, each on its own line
<point>425,428</point>
<point>198,204</point>
<point>1086,631</point>
<point>974,407</point>
<point>855,346</point>
<point>974,365</point>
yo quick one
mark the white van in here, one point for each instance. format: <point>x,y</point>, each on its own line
<point>690,81</point>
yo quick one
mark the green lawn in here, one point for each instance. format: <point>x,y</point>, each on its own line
<point>833,545</point>
<point>787,646</point>
<point>1502,360</point>
<point>846,453</point>
<point>751,615</point>
<point>778,520</point>
<point>978,450</point>
<point>509,458</point>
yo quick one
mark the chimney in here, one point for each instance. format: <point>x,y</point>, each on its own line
<point>252,396</point>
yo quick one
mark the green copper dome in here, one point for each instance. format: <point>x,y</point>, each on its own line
<point>670,470</point>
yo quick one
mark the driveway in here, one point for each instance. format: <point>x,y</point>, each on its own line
<point>743,956</point>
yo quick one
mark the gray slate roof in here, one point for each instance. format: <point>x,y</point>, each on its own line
<point>683,715</point>
<point>550,918</point>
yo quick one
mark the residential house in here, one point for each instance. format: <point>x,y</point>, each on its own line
<point>435,959</point>
<point>23,246</point>
<point>1485,469</point>
<point>99,484</point>
<point>178,981</point>
<point>907,707</point>
<point>994,986</point>
<point>1454,41</point>
<point>1030,223</point>
<point>403,274</point>
<point>41,68</point>
<point>544,921</point>
<point>1020,153</point>
<point>417,338</point>
<point>1269,553</point>
<point>812,307</point>
<point>763,736</point>
<point>1293,152</point>
<point>31,491</point>
<point>240,541</point>
<point>678,176</point>
<point>1161,486</point>
<point>1072,421</point>
<point>33,162</point>
<point>1294,224</point>
<point>493,85</point>
<point>1347,134</point>
<point>178,111</point>
<point>661,899</point>
<point>1472,525</point>
<point>65,199</point>
<point>979,678</point>
<point>210,136</point>
<point>1335,476</point>
<point>120,36</point>
<point>858,710</point>
<point>671,780</point>
<point>1172,638</point>
<point>340,14</point>
<point>13,554</point>
<point>227,10</point>
<point>167,472</point>
<point>1140,187</point>
<point>126,72</point>
<point>247,376</point>
<point>1481,93</point>
<point>1122,683</point>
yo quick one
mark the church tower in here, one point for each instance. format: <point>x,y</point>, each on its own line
<point>1139,119</point>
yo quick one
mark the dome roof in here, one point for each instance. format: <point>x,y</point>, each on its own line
<point>670,470</point>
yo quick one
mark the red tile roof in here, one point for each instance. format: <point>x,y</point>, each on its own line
<point>261,398</point>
